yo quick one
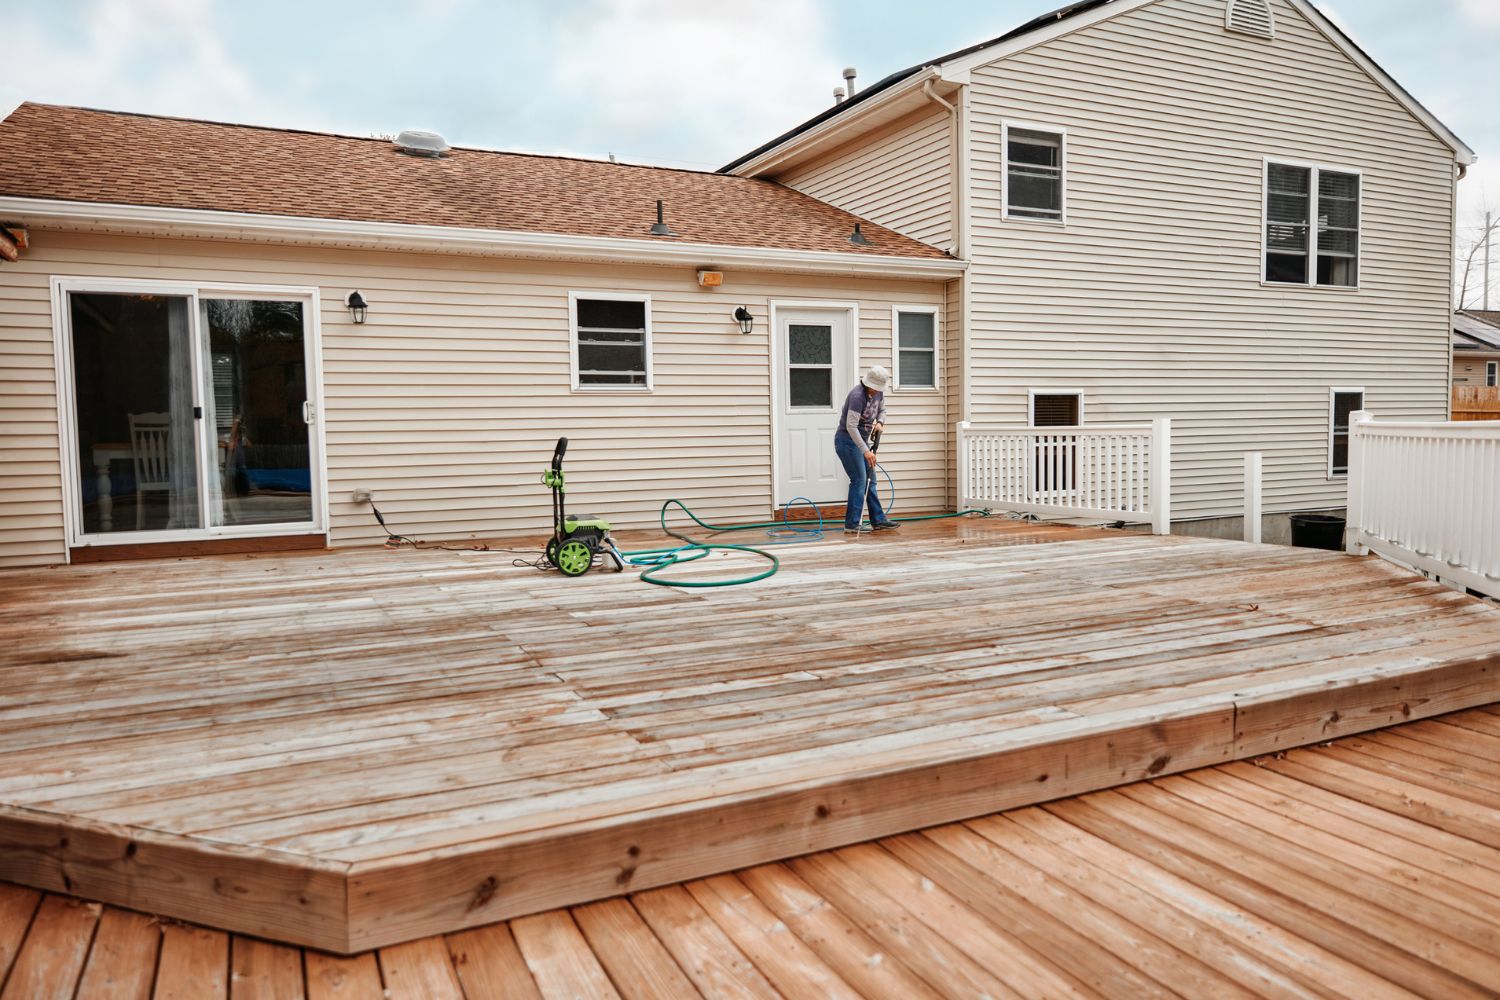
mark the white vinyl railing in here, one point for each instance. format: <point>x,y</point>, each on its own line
<point>1111,473</point>
<point>1428,495</point>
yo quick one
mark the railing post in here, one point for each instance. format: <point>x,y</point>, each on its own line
<point>1161,476</point>
<point>1354,507</point>
<point>1252,497</point>
<point>963,463</point>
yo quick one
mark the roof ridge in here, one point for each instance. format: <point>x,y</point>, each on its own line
<point>285,129</point>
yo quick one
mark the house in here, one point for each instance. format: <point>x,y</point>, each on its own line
<point>222,336</point>
<point>1476,348</point>
<point>1131,183</point>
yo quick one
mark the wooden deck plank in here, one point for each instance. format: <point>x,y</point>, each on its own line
<point>262,970</point>
<point>336,977</point>
<point>17,907</point>
<point>490,965</point>
<point>122,961</point>
<point>702,950</point>
<point>194,964</point>
<point>51,958</point>
<point>420,970</point>
<point>704,732</point>
<point>640,967</point>
<point>560,959</point>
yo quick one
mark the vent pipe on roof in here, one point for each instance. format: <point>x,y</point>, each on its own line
<point>661,228</point>
<point>415,142</point>
<point>849,80</point>
<point>838,95</point>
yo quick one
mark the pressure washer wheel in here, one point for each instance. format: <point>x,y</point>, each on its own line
<point>574,557</point>
<point>552,551</point>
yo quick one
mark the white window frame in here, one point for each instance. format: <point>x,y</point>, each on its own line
<point>1062,136</point>
<point>62,286</point>
<point>1333,393</point>
<point>612,296</point>
<point>1492,373</point>
<point>1032,394</point>
<point>1312,224</point>
<point>937,351</point>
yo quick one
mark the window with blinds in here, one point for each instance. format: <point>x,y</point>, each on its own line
<point>1034,168</point>
<point>1312,226</point>
<point>611,343</point>
<point>916,349</point>
<point>1056,409</point>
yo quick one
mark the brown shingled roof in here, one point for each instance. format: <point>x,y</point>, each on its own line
<point>74,154</point>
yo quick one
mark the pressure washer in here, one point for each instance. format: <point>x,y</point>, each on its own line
<point>577,541</point>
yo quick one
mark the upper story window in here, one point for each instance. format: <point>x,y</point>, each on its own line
<point>1035,165</point>
<point>915,348</point>
<point>1312,226</point>
<point>611,341</point>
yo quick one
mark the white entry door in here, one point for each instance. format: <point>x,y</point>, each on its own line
<point>814,362</point>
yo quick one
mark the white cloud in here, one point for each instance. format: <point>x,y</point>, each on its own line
<point>162,56</point>
<point>1485,13</point>
<point>709,77</point>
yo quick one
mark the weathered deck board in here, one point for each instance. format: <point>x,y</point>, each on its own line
<point>1233,880</point>
<point>365,747</point>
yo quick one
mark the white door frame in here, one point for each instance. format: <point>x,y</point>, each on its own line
<point>851,309</point>
<point>194,291</point>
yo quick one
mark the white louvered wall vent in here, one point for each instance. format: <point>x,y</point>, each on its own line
<point>1251,17</point>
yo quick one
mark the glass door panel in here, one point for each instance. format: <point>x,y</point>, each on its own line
<point>255,385</point>
<point>133,387</point>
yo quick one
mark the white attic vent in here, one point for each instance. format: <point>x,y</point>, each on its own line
<point>415,142</point>
<point>1251,17</point>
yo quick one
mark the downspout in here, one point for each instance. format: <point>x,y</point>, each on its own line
<point>959,188</point>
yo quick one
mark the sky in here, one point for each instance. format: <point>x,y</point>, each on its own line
<point>690,83</point>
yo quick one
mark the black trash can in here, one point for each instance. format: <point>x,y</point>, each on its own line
<point>1318,531</point>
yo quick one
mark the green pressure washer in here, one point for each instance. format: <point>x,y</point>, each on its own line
<point>577,540</point>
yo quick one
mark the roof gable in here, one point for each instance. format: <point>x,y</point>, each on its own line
<point>955,66</point>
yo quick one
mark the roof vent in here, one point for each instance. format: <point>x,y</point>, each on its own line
<point>1251,17</point>
<point>415,142</point>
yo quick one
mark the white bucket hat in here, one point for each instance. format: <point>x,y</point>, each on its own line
<point>877,378</point>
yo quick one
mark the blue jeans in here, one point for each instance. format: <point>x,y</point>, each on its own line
<point>861,481</point>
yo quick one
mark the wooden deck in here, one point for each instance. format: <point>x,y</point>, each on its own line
<point>352,749</point>
<point>1369,868</point>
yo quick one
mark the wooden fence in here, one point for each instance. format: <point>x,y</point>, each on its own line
<point>1476,402</point>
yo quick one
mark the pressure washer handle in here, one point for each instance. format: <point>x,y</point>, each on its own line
<point>875,441</point>
<point>558,453</point>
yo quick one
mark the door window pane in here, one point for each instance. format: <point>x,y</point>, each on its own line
<point>812,387</point>
<point>810,345</point>
<point>133,389</point>
<point>262,460</point>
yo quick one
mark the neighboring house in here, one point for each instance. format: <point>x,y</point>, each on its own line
<point>1214,210</point>
<point>1134,184</point>
<point>1476,348</point>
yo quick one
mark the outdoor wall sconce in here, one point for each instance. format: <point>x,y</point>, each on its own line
<point>357,307</point>
<point>743,317</point>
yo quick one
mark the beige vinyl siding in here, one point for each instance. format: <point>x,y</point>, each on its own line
<point>447,402</point>
<point>1470,369</point>
<point>1150,298</point>
<point>900,176</point>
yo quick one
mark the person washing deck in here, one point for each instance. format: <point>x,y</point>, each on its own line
<point>862,417</point>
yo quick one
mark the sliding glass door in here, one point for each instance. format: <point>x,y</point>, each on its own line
<point>191,414</point>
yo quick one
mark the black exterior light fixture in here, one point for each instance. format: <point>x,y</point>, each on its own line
<point>743,317</point>
<point>357,307</point>
<point>858,238</point>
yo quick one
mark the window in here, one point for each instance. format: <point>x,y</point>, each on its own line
<point>1492,373</point>
<point>1034,166</point>
<point>1312,226</point>
<point>915,348</point>
<point>1343,404</point>
<point>611,341</point>
<point>809,368</point>
<point>1058,409</point>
